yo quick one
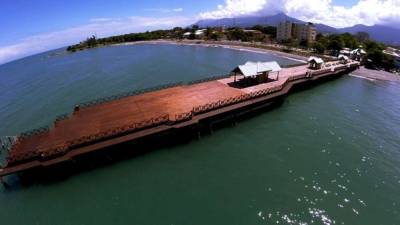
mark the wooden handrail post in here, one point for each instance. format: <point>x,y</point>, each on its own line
<point>76,108</point>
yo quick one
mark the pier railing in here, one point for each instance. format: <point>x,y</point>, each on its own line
<point>45,153</point>
<point>61,117</point>
<point>126,94</point>
<point>102,100</point>
<point>233,100</point>
<point>33,132</point>
<point>41,153</point>
<point>208,79</point>
<point>237,99</point>
<point>6,143</point>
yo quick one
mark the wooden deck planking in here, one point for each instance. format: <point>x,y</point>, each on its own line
<point>134,109</point>
<point>128,110</point>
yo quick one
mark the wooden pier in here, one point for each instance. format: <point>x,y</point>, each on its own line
<point>123,120</point>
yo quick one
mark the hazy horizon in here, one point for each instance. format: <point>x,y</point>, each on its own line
<point>34,27</point>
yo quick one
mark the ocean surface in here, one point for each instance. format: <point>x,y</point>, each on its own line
<point>328,155</point>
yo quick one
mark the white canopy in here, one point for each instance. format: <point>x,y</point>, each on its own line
<point>274,65</point>
<point>250,69</point>
<point>358,51</point>
<point>199,32</point>
<point>345,51</point>
<point>315,59</point>
<point>343,57</point>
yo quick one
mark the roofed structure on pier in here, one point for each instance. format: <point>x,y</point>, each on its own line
<point>343,58</point>
<point>255,69</point>
<point>315,62</point>
<point>358,54</point>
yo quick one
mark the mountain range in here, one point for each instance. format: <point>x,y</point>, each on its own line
<point>386,34</point>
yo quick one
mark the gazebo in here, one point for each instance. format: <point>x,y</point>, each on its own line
<point>315,63</point>
<point>257,70</point>
<point>358,54</point>
<point>343,59</point>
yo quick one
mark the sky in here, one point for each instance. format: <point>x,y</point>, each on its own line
<point>33,26</point>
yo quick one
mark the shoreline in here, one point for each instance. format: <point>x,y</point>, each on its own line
<point>363,73</point>
<point>362,77</point>
<point>374,75</point>
<point>226,45</point>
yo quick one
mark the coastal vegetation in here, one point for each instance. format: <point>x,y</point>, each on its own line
<point>92,42</point>
<point>328,44</point>
<point>257,33</point>
<point>376,59</point>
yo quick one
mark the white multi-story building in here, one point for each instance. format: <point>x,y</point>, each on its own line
<point>284,31</point>
<point>292,31</point>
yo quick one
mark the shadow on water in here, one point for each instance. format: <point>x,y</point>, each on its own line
<point>112,155</point>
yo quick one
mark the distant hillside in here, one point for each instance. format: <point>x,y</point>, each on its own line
<point>247,21</point>
<point>384,34</point>
<point>322,28</point>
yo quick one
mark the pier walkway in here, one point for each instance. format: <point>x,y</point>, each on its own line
<point>149,112</point>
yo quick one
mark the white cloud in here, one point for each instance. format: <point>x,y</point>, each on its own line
<point>234,8</point>
<point>101,27</point>
<point>368,12</point>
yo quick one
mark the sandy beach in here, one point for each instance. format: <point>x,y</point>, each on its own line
<point>375,74</point>
<point>229,45</point>
<point>241,46</point>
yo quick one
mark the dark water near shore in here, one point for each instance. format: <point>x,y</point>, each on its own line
<point>328,155</point>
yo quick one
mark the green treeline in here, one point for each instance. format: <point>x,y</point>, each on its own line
<point>330,44</point>
<point>234,34</point>
<point>153,35</point>
<point>335,42</point>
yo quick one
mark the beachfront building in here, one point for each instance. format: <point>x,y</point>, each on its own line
<point>200,33</point>
<point>345,51</point>
<point>358,54</point>
<point>197,34</point>
<point>259,71</point>
<point>284,31</point>
<point>306,32</point>
<point>253,31</point>
<point>395,54</point>
<point>287,31</point>
<point>186,35</point>
<point>315,63</point>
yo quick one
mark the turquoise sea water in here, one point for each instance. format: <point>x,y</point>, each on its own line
<point>328,155</point>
